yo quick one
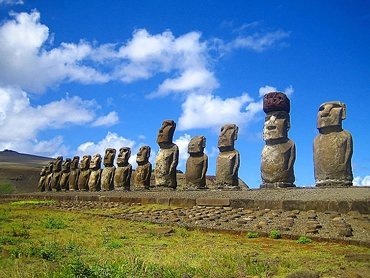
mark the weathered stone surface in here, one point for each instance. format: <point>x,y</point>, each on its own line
<point>197,163</point>
<point>57,173</point>
<point>228,160</point>
<point>49,175</point>
<point>66,171</point>
<point>95,173</point>
<point>41,184</point>
<point>278,155</point>
<point>168,156</point>
<point>122,175</point>
<point>214,202</point>
<point>107,177</point>
<point>143,170</point>
<point>333,147</point>
<point>83,177</point>
<point>75,171</point>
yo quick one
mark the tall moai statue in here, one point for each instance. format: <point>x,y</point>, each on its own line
<point>107,178</point>
<point>49,175</point>
<point>333,147</point>
<point>168,156</point>
<point>197,163</point>
<point>95,173</point>
<point>66,171</point>
<point>122,176</point>
<point>75,171</point>
<point>41,184</point>
<point>57,173</point>
<point>228,160</point>
<point>279,153</point>
<point>143,170</point>
<point>83,177</point>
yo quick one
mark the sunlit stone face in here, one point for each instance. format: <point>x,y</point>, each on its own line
<point>123,156</point>
<point>143,154</point>
<point>227,137</point>
<point>95,162</point>
<point>276,125</point>
<point>74,163</point>
<point>165,133</point>
<point>66,166</point>
<point>197,145</point>
<point>85,162</point>
<point>109,156</point>
<point>331,114</point>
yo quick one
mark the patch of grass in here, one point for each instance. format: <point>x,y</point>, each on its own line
<point>6,189</point>
<point>303,240</point>
<point>275,234</point>
<point>33,202</point>
<point>54,223</point>
<point>252,235</point>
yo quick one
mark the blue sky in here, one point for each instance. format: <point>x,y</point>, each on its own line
<point>79,76</point>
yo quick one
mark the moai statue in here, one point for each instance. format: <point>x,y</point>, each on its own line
<point>333,147</point>
<point>168,156</point>
<point>278,155</point>
<point>73,176</point>
<point>197,163</point>
<point>83,177</point>
<point>49,175</point>
<point>143,170</point>
<point>122,176</point>
<point>57,173</point>
<point>95,173</point>
<point>107,178</point>
<point>41,184</point>
<point>228,160</point>
<point>66,171</point>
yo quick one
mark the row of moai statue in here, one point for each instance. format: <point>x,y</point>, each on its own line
<point>333,149</point>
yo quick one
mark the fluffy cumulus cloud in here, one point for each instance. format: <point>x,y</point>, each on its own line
<point>11,2</point>
<point>182,142</point>
<point>358,181</point>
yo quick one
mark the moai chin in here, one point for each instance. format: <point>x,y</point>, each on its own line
<point>228,160</point>
<point>122,176</point>
<point>333,147</point>
<point>49,175</point>
<point>143,170</point>
<point>197,164</point>
<point>75,171</point>
<point>278,155</point>
<point>57,173</point>
<point>107,178</point>
<point>66,171</point>
<point>83,177</point>
<point>168,156</point>
<point>41,184</point>
<point>95,173</point>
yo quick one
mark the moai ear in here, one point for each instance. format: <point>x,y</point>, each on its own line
<point>236,132</point>
<point>344,110</point>
<point>148,152</point>
<point>203,142</point>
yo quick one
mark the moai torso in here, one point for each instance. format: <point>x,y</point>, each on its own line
<point>197,163</point>
<point>49,176</point>
<point>95,173</point>
<point>41,184</point>
<point>278,155</point>
<point>57,173</point>
<point>107,178</point>
<point>122,176</point>
<point>73,176</point>
<point>66,170</point>
<point>143,170</point>
<point>333,147</point>
<point>168,156</point>
<point>83,177</point>
<point>228,160</point>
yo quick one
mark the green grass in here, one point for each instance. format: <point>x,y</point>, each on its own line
<point>6,189</point>
<point>303,240</point>
<point>252,235</point>
<point>275,234</point>
<point>41,242</point>
<point>33,202</point>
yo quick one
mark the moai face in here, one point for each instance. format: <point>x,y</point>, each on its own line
<point>43,171</point>
<point>123,156</point>
<point>227,137</point>
<point>58,164</point>
<point>49,167</point>
<point>143,155</point>
<point>197,145</point>
<point>66,166</point>
<point>331,114</point>
<point>109,156</point>
<point>165,133</point>
<point>85,162</point>
<point>276,125</point>
<point>95,163</point>
<point>74,163</point>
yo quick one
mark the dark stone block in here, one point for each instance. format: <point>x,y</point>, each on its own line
<point>319,206</point>
<point>361,206</point>
<point>293,204</point>
<point>182,202</point>
<point>242,203</point>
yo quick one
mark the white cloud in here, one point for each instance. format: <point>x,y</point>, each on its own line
<point>267,89</point>
<point>11,2</point>
<point>358,181</point>
<point>107,120</point>
<point>182,142</point>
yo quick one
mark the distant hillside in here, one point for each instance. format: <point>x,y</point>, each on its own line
<point>13,158</point>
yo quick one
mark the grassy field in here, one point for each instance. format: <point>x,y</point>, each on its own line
<point>39,242</point>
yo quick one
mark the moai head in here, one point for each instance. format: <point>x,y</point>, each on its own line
<point>66,166</point>
<point>276,105</point>
<point>123,156</point>
<point>95,162</point>
<point>165,133</point>
<point>85,162</point>
<point>58,164</point>
<point>49,167</point>
<point>197,145</point>
<point>43,171</point>
<point>74,163</point>
<point>143,155</point>
<point>227,137</point>
<point>109,156</point>
<point>331,115</point>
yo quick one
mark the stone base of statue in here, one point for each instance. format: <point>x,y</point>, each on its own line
<point>333,183</point>
<point>273,185</point>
